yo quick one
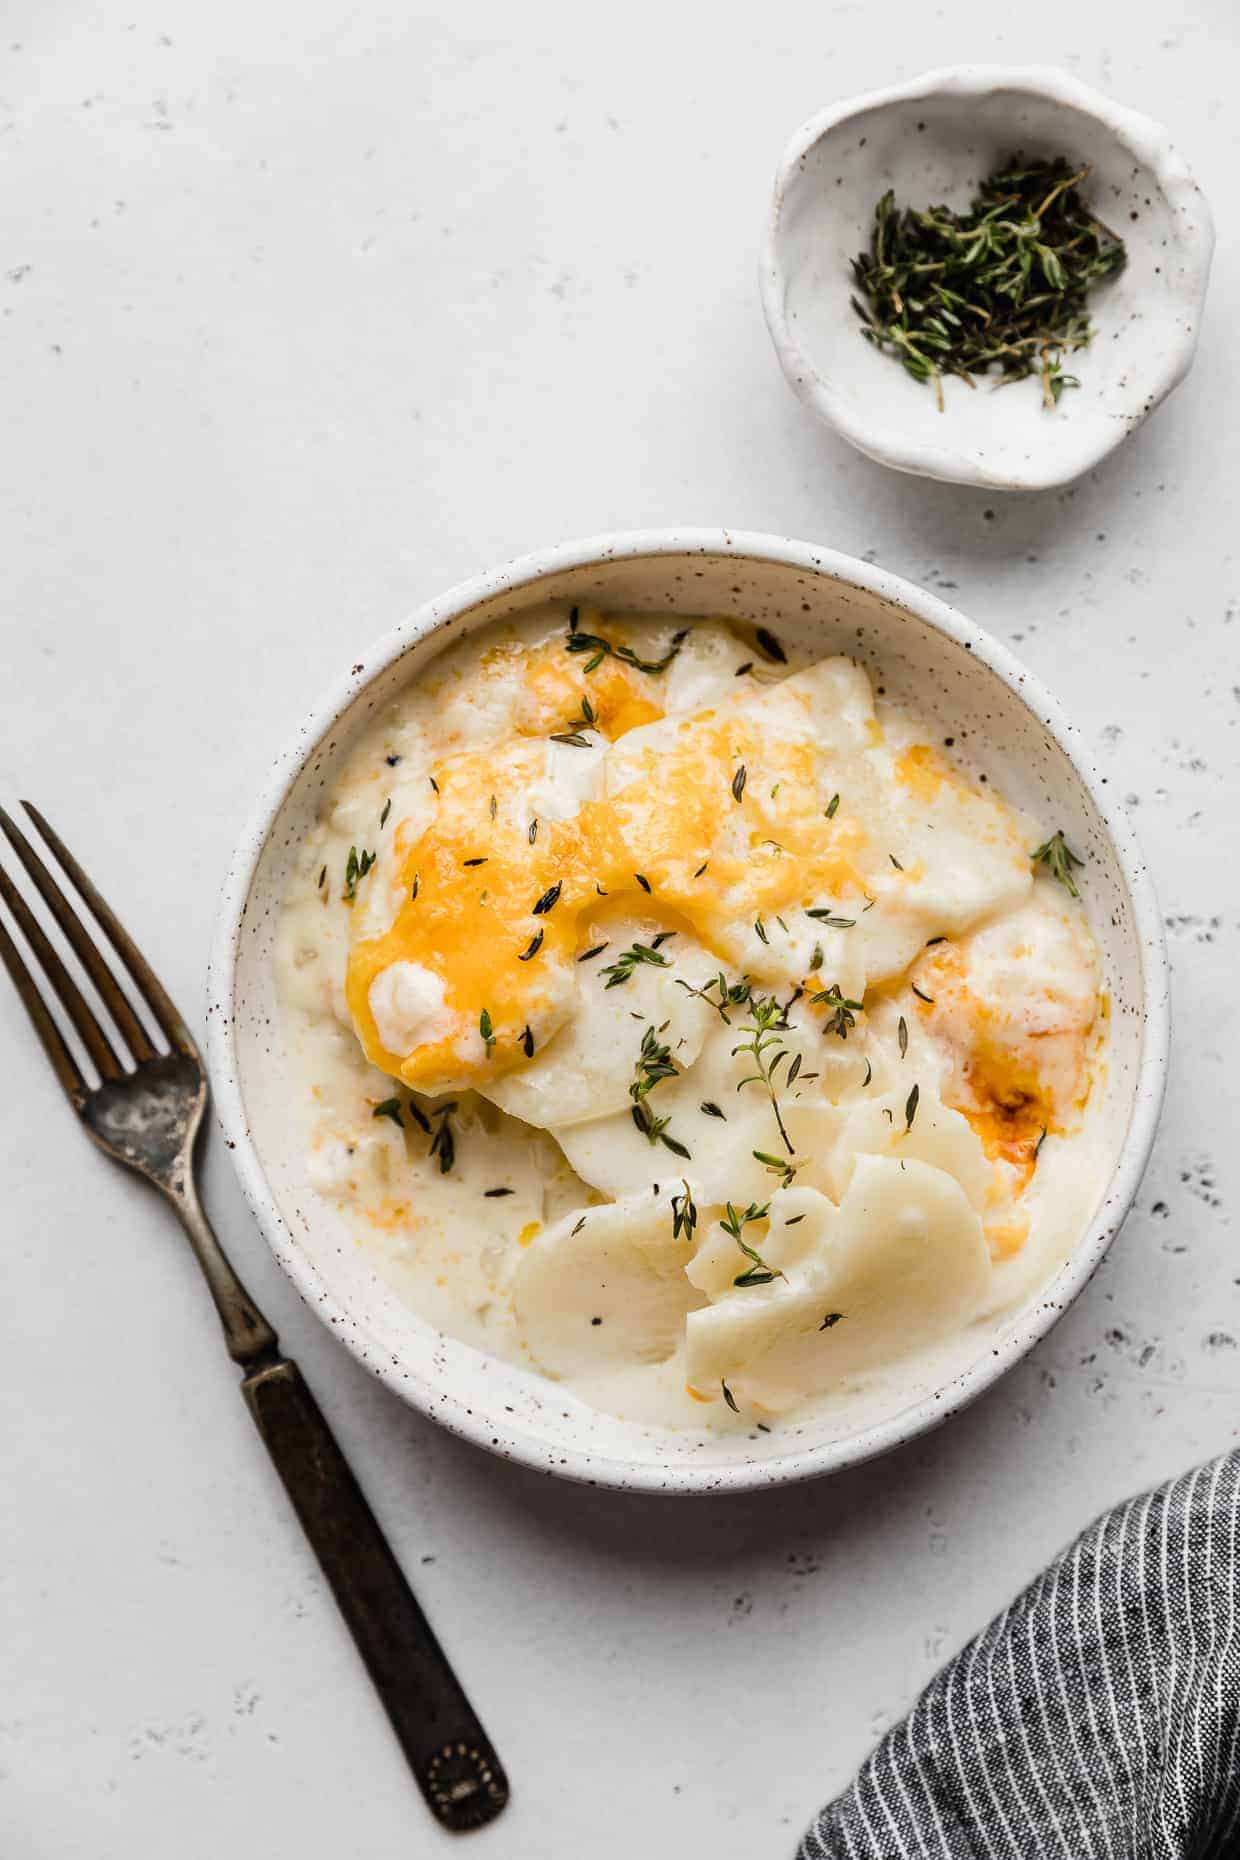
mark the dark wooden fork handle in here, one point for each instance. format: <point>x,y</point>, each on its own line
<point>448,1750</point>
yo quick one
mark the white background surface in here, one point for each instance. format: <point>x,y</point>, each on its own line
<point>305,313</point>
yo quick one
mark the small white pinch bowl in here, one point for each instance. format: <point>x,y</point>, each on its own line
<point>966,686</point>
<point>932,141</point>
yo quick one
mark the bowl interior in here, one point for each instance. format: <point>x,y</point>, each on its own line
<point>953,686</point>
<point>933,148</point>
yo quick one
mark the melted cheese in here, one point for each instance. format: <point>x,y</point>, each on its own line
<point>579,850</point>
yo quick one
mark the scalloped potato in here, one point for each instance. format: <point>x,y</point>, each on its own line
<point>681,1022</point>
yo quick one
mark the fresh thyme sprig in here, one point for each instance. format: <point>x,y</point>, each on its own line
<point>777,1165</point>
<point>843,1015</point>
<point>356,867</point>
<point>734,1223</point>
<point>767,1026</point>
<point>684,1214</point>
<point>654,1064</point>
<point>730,994</point>
<point>1001,288</point>
<point>487,1031</point>
<point>622,968</point>
<point>1059,859</point>
<point>443,1143</point>
<point>571,733</point>
<point>600,648</point>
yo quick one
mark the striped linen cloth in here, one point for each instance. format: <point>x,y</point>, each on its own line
<point>1098,1718</point>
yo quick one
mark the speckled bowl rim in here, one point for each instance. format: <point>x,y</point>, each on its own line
<point>444,1405</point>
<point>1147,140</point>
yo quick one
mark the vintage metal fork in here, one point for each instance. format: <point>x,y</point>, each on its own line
<point>146,1112</point>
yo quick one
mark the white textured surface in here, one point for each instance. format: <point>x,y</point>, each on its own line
<point>306,314</point>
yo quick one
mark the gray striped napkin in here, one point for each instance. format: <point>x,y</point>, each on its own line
<point>1098,1718</point>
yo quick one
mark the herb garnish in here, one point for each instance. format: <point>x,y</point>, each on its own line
<point>535,945</point>
<point>642,880</point>
<point>832,1317</point>
<point>532,835</point>
<point>600,649</point>
<point>910,1108</point>
<point>622,969</point>
<point>479,860</point>
<point>390,1108</point>
<point>928,999</point>
<point>738,782</point>
<point>654,1064</point>
<point>777,1165</point>
<point>487,1031</point>
<point>596,949</point>
<point>356,867</point>
<point>731,994</point>
<point>823,916</point>
<point>767,1027</point>
<point>769,645</point>
<point>902,1036</point>
<point>322,877</point>
<point>1058,858</point>
<point>1001,288</point>
<point>728,1396</point>
<point>571,732</point>
<point>684,1214</point>
<point>843,1015</point>
<point>527,1042</point>
<point>733,1223</point>
<point>383,818</point>
<point>443,1144</point>
<point>760,928</point>
<point>493,1194</point>
<point>709,1108</point>
<point>832,804</point>
<point>869,1074</point>
<point>550,898</point>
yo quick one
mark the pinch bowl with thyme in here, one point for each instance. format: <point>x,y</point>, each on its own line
<point>685,1016</point>
<point>976,226</point>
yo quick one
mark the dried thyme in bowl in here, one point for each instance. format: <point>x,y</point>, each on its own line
<point>999,290</point>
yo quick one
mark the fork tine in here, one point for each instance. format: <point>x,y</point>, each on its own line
<point>62,983</point>
<point>132,1031</point>
<point>63,1064</point>
<point>148,983</point>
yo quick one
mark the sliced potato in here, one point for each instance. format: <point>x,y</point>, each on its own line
<point>605,1288</point>
<point>901,1261</point>
<point>586,1070</point>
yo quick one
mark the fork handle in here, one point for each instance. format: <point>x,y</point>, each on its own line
<point>450,1755</point>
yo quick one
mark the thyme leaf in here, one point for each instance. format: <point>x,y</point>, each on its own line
<point>1059,859</point>
<point>843,1016</point>
<point>356,867</point>
<point>622,969</point>
<point>600,648</point>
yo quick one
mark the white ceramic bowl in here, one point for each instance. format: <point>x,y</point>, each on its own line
<point>933,140</point>
<point>962,681</point>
